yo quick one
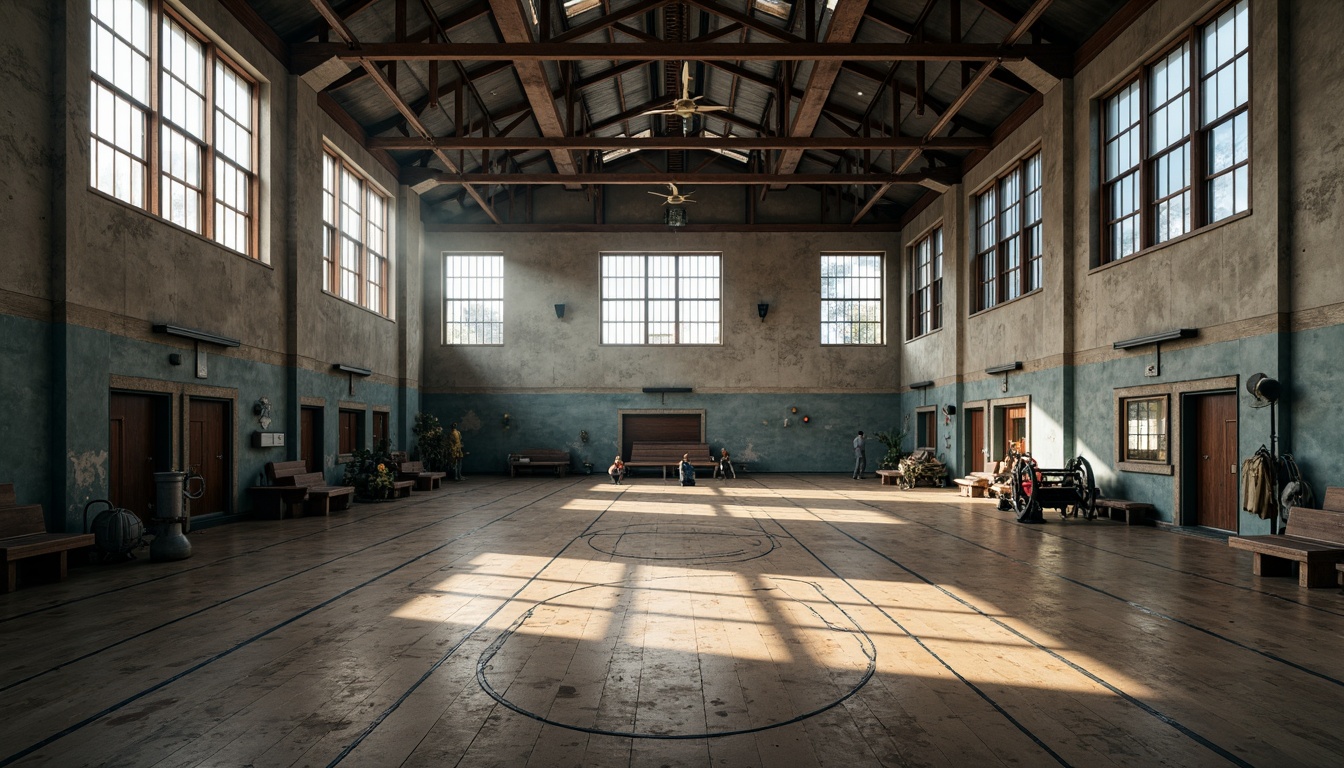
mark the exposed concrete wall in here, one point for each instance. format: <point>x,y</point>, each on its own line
<point>783,353</point>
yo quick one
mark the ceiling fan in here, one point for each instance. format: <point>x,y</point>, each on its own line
<point>686,106</point>
<point>676,198</point>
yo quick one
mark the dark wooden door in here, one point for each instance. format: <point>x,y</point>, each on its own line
<point>1214,454</point>
<point>382,429</point>
<point>659,428</point>
<point>976,440</point>
<point>310,438</point>
<point>138,446</point>
<point>208,452</point>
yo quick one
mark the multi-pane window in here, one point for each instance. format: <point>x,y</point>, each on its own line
<point>851,299</point>
<point>1008,236</point>
<point>926,285</point>
<point>1176,139</point>
<point>1145,429</point>
<point>660,298</point>
<point>172,122</point>
<point>473,298</point>
<point>354,235</point>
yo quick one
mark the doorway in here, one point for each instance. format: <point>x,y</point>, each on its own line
<point>310,438</point>
<point>1014,429</point>
<point>1211,471</point>
<point>209,453</point>
<point>139,444</point>
<point>975,422</point>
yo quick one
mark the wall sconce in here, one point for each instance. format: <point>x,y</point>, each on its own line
<point>506,420</point>
<point>583,436</point>
<point>807,419</point>
<point>793,409</point>
<point>560,311</point>
<point>761,309</point>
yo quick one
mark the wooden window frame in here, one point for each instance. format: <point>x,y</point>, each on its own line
<point>371,258</point>
<point>1199,176</point>
<point>153,174</point>
<point>358,435</point>
<point>679,302</point>
<point>926,285</point>
<point>1005,226</point>
<point>1161,434</point>
<point>493,334</point>
<point>881,304</point>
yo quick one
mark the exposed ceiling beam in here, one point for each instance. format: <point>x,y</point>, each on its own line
<point>445,24</point>
<point>418,176</point>
<point>345,12</point>
<point>515,28</point>
<point>844,23</point>
<point>602,22</point>
<point>1001,9</point>
<point>412,119</point>
<point>750,22</point>
<point>675,143</point>
<point>307,55</point>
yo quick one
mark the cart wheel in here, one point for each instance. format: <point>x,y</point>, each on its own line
<point>1089,489</point>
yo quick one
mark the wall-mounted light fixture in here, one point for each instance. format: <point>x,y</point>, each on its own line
<point>1005,369</point>
<point>1156,340</point>
<point>793,410</point>
<point>507,417</point>
<point>583,435</point>
<point>921,385</point>
<point>761,309</point>
<point>560,311</point>
<point>807,419</point>
<point>352,371</point>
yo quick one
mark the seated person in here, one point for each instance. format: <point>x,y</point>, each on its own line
<point>725,467</point>
<point>616,470</point>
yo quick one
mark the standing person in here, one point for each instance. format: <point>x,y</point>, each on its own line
<point>616,470</point>
<point>686,470</point>
<point>725,465</point>
<point>455,452</point>
<point>860,456</point>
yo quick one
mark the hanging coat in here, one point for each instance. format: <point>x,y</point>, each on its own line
<point>687,473</point>
<point>1257,486</point>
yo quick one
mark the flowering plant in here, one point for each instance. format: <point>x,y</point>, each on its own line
<point>372,473</point>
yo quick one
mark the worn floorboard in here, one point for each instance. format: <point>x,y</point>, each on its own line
<point>776,621</point>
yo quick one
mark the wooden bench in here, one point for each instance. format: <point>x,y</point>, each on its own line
<point>889,476</point>
<point>1130,512</point>
<point>543,458</point>
<point>976,485</point>
<point>415,472</point>
<point>23,536</point>
<point>1313,543</point>
<point>321,498</point>
<point>668,455</point>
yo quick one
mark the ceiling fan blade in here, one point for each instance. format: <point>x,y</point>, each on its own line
<point>673,187</point>
<point>710,108</point>
<point>657,194</point>
<point>685,79</point>
<point>658,112</point>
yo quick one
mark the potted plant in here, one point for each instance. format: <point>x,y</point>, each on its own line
<point>431,442</point>
<point>371,473</point>
<point>893,439</point>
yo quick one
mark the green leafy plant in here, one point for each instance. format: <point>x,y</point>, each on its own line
<point>371,473</point>
<point>431,442</point>
<point>893,440</point>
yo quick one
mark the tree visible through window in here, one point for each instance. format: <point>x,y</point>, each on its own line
<point>190,124</point>
<point>660,298</point>
<point>851,299</point>
<point>473,298</point>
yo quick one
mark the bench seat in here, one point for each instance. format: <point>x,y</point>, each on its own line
<point>540,458</point>
<point>318,499</point>
<point>1312,544</point>
<point>24,536</point>
<point>1129,512</point>
<point>667,456</point>
<point>415,472</point>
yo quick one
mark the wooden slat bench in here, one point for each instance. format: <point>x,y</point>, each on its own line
<point>415,472</point>
<point>889,476</point>
<point>541,458</point>
<point>23,536</point>
<point>1313,543</point>
<point>976,485</point>
<point>321,498</point>
<point>666,456</point>
<point>1130,512</point>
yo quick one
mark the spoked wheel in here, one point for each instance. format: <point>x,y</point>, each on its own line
<point>1087,501</point>
<point>1024,492</point>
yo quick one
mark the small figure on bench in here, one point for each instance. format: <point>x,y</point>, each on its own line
<point>725,467</point>
<point>687,470</point>
<point>616,470</point>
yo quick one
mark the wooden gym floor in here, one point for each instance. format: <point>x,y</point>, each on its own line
<point>771,621</point>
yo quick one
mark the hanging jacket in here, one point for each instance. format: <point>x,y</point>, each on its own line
<point>1257,486</point>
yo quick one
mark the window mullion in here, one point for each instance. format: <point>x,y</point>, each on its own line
<point>153,127</point>
<point>1195,163</point>
<point>208,169</point>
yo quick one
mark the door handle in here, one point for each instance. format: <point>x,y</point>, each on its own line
<point>1206,457</point>
<point>1234,469</point>
<point>220,457</point>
